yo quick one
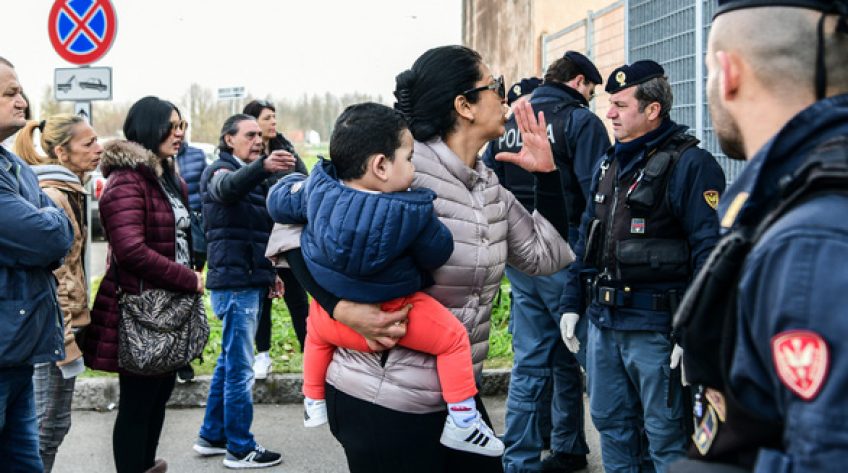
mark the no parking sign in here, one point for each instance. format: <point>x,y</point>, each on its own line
<point>82,31</point>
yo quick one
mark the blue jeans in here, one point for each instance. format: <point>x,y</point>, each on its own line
<point>629,380</point>
<point>54,396</point>
<point>18,424</point>
<point>229,407</point>
<point>546,387</point>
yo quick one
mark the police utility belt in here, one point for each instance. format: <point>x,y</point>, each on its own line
<point>611,296</point>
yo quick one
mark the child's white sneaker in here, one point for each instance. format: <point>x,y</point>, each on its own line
<point>476,438</point>
<point>262,365</point>
<point>314,412</point>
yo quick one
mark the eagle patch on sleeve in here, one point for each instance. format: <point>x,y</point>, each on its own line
<point>711,196</point>
<point>801,359</point>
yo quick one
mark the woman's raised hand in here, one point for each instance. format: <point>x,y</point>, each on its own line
<point>536,155</point>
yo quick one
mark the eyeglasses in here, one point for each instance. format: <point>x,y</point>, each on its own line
<point>497,85</point>
<point>180,125</point>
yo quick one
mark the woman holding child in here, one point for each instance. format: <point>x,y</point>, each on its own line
<point>387,409</point>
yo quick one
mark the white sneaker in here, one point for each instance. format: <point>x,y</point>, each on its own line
<point>476,438</point>
<point>314,413</point>
<point>262,365</point>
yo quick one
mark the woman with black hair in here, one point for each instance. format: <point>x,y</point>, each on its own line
<point>294,295</point>
<point>386,409</point>
<point>144,210</point>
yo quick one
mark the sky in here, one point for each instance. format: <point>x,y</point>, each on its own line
<point>283,48</point>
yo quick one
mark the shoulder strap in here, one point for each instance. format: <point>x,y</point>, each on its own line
<point>824,172</point>
<point>651,182</point>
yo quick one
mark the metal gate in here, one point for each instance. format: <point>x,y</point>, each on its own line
<point>674,33</point>
<point>600,36</point>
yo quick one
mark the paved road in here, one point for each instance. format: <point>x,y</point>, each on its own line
<point>88,446</point>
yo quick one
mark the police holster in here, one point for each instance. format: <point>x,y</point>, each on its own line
<point>705,323</point>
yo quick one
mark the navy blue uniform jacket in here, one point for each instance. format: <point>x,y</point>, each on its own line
<point>795,278</point>
<point>695,173</point>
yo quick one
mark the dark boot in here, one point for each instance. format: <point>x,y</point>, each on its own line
<point>159,466</point>
<point>563,463</point>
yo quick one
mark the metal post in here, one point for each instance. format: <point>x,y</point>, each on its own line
<point>627,31</point>
<point>699,69</point>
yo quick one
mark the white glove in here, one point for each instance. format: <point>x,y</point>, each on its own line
<point>72,369</point>
<point>676,355</point>
<point>566,327</point>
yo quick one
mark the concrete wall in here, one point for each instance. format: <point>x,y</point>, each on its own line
<point>498,30</point>
<point>508,33</point>
<point>519,38</point>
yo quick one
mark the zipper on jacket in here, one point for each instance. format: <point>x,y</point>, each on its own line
<point>610,220</point>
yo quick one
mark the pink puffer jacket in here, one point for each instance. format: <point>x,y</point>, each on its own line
<point>490,228</point>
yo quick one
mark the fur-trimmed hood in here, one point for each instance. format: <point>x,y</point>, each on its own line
<point>124,154</point>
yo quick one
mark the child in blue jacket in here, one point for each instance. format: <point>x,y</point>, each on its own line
<point>369,238</point>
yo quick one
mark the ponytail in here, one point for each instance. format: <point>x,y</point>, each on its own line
<point>57,130</point>
<point>25,146</point>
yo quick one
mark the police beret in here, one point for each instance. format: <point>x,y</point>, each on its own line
<point>585,65</point>
<point>827,6</point>
<point>523,87</point>
<point>627,76</point>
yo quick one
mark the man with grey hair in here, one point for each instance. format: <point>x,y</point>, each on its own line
<point>649,224</point>
<point>34,237</point>
<point>233,190</point>
<point>773,296</point>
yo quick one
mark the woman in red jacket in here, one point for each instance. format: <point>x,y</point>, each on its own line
<point>144,210</point>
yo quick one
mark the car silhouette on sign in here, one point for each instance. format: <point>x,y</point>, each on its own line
<point>95,84</point>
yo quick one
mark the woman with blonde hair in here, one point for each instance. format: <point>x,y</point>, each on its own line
<point>72,151</point>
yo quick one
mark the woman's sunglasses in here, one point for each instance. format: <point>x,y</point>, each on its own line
<point>180,125</point>
<point>497,85</point>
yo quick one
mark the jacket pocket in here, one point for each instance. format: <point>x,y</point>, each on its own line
<point>652,260</point>
<point>25,329</point>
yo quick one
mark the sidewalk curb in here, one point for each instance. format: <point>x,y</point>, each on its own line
<point>101,394</point>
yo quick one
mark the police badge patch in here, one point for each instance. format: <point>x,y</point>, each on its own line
<point>705,432</point>
<point>711,196</point>
<point>801,359</point>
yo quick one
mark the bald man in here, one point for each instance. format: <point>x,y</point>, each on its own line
<point>773,382</point>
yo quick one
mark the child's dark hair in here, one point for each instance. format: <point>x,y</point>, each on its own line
<point>361,131</point>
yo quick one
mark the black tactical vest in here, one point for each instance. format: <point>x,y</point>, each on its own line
<point>705,322</point>
<point>522,183</point>
<point>635,237</point>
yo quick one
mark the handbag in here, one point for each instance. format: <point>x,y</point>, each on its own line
<point>159,330</point>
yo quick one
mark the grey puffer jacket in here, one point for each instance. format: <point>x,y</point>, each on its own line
<point>490,229</point>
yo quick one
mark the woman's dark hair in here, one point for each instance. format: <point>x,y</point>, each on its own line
<point>361,131</point>
<point>254,107</point>
<point>148,122</point>
<point>426,92</point>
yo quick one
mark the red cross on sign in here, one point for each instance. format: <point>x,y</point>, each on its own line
<point>82,31</point>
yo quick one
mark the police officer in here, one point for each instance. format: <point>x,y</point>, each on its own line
<point>772,395</point>
<point>545,400</point>
<point>650,223</point>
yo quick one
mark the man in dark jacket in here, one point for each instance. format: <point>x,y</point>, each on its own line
<point>239,276</point>
<point>31,322</point>
<point>780,100</point>
<point>545,401</point>
<point>649,225</point>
